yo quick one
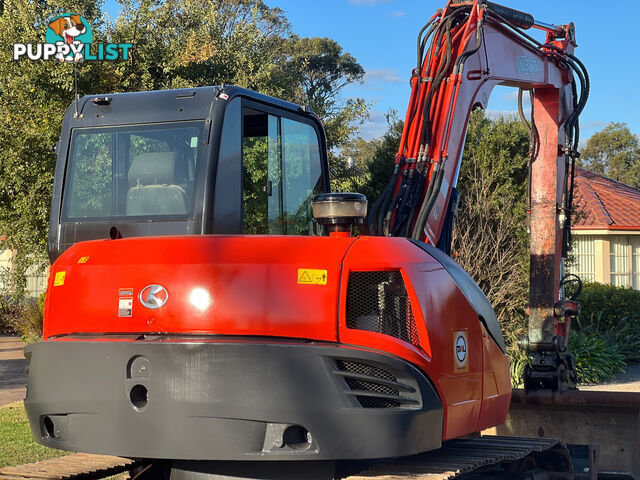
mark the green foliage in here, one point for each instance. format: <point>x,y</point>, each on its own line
<point>180,43</point>
<point>177,43</point>
<point>606,334</point>
<point>349,170</point>
<point>92,176</point>
<point>24,317</point>
<point>380,166</point>
<point>608,306</point>
<point>625,336</point>
<point>597,360</point>
<point>518,360</point>
<point>373,162</point>
<point>323,70</point>
<point>255,165</point>
<point>17,445</point>
<point>496,154</point>
<point>614,152</point>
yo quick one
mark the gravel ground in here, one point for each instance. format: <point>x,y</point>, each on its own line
<point>629,381</point>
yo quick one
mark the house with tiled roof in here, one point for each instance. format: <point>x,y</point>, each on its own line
<point>606,233</point>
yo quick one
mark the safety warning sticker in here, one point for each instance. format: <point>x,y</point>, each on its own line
<point>309,276</point>
<point>59,279</point>
<point>83,259</point>
<point>125,306</point>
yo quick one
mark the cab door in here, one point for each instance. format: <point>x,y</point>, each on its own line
<point>271,165</point>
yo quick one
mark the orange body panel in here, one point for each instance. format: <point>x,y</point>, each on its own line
<point>250,286</point>
<point>437,300</point>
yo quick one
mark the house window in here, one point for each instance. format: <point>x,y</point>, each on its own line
<point>36,281</point>
<point>635,262</point>
<point>585,258</point>
<point>625,261</point>
<point>620,271</point>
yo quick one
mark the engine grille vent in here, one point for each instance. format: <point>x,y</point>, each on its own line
<point>365,369</point>
<point>374,387</point>
<point>378,302</point>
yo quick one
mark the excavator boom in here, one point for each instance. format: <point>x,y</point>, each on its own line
<point>475,46</point>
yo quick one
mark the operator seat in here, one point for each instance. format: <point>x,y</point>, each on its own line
<point>152,185</point>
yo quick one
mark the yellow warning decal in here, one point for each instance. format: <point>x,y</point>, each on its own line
<point>309,276</point>
<point>59,279</point>
<point>83,259</point>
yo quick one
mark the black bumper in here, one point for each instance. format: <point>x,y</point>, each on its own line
<point>197,400</point>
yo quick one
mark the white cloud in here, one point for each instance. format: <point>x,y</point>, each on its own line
<point>368,3</point>
<point>375,126</point>
<point>512,96</point>
<point>593,125</point>
<point>398,13</point>
<point>387,75</point>
<point>507,114</point>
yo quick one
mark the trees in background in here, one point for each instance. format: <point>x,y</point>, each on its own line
<point>366,166</point>
<point>33,98</point>
<point>490,239</point>
<point>615,153</point>
<point>177,43</point>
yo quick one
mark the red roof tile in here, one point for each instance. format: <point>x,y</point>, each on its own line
<point>603,203</point>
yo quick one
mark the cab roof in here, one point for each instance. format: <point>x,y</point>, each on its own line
<point>160,105</point>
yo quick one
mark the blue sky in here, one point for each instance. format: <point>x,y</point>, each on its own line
<point>381,35</point>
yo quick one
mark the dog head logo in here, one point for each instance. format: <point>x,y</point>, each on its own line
<point>70,29</point>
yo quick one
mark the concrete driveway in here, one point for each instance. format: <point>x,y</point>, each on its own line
<point>12,375</point>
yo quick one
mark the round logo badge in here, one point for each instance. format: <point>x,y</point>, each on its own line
<point>153,296</point>
<point>461,348</point>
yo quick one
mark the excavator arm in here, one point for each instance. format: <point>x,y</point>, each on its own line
<point>463,52</point>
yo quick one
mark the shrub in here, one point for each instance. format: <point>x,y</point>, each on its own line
<point>518,359</point>
<point>596,359</point>
<point>25,317</point>
<point>608,305</point>
<point>8,309</point>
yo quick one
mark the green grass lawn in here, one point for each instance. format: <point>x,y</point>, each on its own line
<point>16,443</point>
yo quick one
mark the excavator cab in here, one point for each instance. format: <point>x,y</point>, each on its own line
<point>181,162</point>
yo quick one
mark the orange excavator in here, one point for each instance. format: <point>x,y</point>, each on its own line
<point>210,310</point>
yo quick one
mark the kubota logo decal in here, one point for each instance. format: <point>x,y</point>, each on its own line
<point>153,296</point>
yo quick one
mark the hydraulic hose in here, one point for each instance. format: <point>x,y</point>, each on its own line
<point>373,218</point>
<point>430,198</point>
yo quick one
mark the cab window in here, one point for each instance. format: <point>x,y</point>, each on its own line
<point>145,171</point>
<point>281,173</point>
